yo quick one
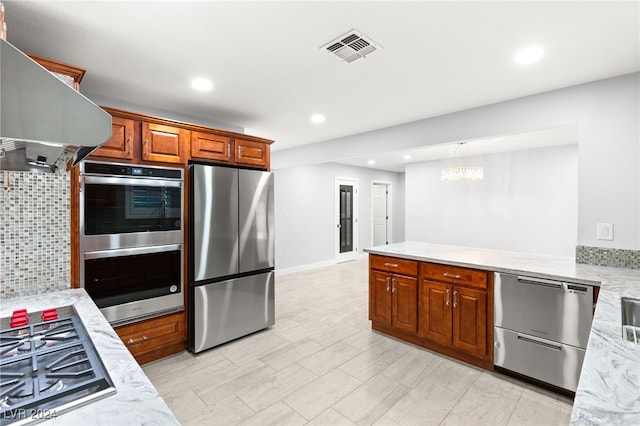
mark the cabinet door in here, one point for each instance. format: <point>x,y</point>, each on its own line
<point>380,297</point>
<point>163,143</point>
<point>252,153</point>
<point>121,143</point>
<point>470,320</point>
<point>211,147</point>
<point>405,303</point>
<point>435,323</point>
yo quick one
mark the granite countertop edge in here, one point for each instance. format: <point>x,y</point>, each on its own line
<point>609,387</point>
<point>136,400</point>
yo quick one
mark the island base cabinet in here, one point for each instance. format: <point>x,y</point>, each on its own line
<point>470,321</point>
<point>449,312</point>
<point>393,301</point>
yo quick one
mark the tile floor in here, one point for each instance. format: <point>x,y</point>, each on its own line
<point>321,364</point>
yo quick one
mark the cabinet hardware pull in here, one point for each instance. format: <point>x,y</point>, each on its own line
<point>128,146</point>
<point>239,152</point>
<point>448,302</point>
<point>146,151</point>
<point>388,284</point>
<point>393,285</point>
<point>455,302</point>
<point>448,275</point>
<point>393,265</point>
<point>133,341</point>
<point>228,150</point>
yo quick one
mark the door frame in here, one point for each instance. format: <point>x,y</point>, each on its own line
<point>352,255</point>
<point>389,209</point>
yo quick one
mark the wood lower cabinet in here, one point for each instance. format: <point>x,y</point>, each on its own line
<point>447,309</point>
<point>120,146</point>
<point>154,338</point>
<point>393,298</point>
<point>454,316</point>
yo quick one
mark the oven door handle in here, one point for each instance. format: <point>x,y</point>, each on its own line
<point>146,181</point>
<point>101,254</point>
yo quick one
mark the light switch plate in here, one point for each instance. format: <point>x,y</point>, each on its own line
<point>605,231</point>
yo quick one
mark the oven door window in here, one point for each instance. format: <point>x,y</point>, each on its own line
<point>117,280</point>
<point>121,209</point>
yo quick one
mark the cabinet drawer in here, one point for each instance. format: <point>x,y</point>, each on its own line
<point>393,264</point>
<point>454,274</point>
<point>155,333</point>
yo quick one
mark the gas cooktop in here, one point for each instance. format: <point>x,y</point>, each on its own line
<point>48,365</point>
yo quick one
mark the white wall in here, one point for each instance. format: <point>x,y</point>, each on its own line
<point>527,202</point>
<point>305,212</point>
<point>605,112</point>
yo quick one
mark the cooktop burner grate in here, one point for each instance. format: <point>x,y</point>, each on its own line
<point>48,367</point>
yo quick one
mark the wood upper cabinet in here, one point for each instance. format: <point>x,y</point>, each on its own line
<point>163,143</point>
<point>252,153</point>
<point>393,298</point>
<point>69,74</point>
<point>120,145</point>
<point>220,148</point>
<point>210,146</point>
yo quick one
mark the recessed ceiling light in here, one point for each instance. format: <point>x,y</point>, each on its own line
<point>372,162</point>
<point>317,118</point>
<point>528,55</point>
<point>201,84</point>
<point>407,157</point>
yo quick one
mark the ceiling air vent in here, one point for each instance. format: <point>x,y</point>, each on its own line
<point>351,46</point>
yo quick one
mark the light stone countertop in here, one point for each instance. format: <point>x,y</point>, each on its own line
<point>136,401</point>
<point>609,387</point>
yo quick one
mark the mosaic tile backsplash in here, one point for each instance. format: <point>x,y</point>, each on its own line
<point>34,232</point>
<point>618,258</point>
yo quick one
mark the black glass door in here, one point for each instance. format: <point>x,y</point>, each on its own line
<point>346,218</point>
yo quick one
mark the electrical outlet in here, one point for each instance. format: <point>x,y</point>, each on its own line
<point>605,231</point>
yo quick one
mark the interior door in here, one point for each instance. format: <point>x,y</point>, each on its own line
<point>346,219</point>
<point>380,205</point>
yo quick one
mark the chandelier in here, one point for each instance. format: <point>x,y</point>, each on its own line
<point>461,173</point>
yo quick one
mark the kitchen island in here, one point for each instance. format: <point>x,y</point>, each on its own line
<point>609,388</point>
<point>136,401</point>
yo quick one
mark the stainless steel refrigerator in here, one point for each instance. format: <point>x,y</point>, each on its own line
<point>231,254</point>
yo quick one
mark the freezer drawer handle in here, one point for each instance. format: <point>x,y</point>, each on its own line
<point>541,283</point>
<point>538,342</point>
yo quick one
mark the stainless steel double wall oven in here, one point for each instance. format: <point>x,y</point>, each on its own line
<point>131,239</point>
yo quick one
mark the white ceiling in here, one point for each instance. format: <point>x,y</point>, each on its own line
<point>270,75</point>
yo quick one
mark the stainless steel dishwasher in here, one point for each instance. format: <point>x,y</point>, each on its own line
<point>541,328</point>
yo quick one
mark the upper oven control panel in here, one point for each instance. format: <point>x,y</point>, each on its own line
<point>111,169</point>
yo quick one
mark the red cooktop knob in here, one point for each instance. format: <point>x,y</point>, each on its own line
<point>49,314</point>
<point>19,318</point>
